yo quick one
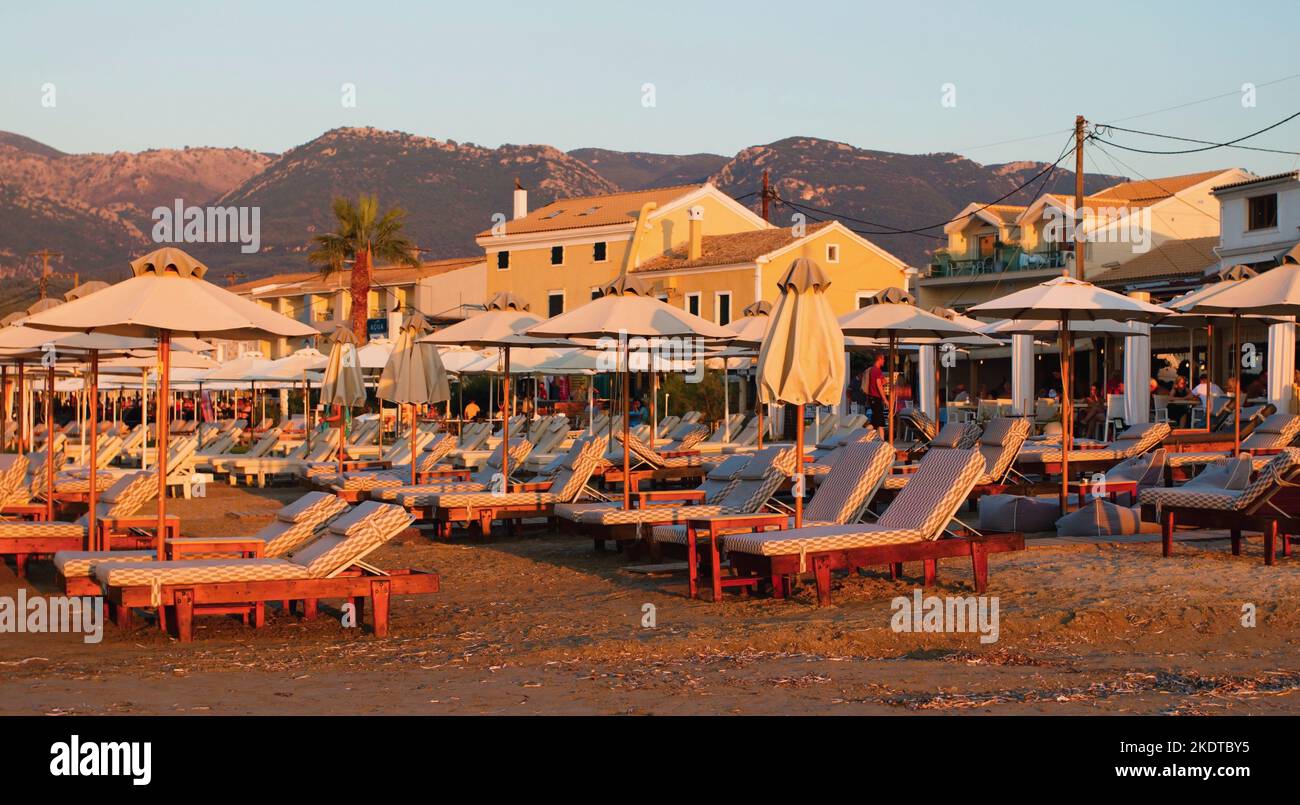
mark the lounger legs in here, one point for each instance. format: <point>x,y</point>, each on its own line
<point>1270,541</point>
<point>931,572</point>
<point>183,612</point>
<point>1167,533</point>
<point>20,565</point>
<point>379,595</point>
<point>1235,535</point>
<point>822,572</point>
<point>979,557</point>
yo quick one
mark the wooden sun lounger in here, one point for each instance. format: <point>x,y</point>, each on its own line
<point>1269,504</point>
<point>332,566</point>
<point>912,528</point>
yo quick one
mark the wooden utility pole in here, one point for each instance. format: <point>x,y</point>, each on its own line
<point>45,255</point>
<point>767,194</point>
<point>1079,245</point>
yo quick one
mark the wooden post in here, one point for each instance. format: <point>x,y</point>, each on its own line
<point>627,430</point>
<point>505,423</point>
<point>1236,392</point>
<point>164,381</point>
<point>49,442</point>
<point>1067,413</point>
<point>413,450</point>
<point>93,463</point>
<point>1079,245</point>
<point>798,470</point>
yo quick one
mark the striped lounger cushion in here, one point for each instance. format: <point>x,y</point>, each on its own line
<point>42,530</point>
<point>920,512</point>
<point>80,564</point>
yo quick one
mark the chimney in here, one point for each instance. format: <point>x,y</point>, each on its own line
<point>521,201</point>
<point>695,216</point>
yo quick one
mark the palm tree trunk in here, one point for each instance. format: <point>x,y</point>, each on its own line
<point>360,289</point>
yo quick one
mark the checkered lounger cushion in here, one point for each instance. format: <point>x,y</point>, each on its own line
<point>1274,433</point>
<point>1281,468</point>
<point>1134,441</point>
<point>920,512</point>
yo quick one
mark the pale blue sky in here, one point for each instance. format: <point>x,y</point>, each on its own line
<point>727,75</point>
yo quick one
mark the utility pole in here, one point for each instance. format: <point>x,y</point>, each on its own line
<point>1079,245</point>
<point>767,193</point>
<point>45,255</point>
<point>233,277</point>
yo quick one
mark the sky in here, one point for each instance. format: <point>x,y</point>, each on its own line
<point>994,83</point>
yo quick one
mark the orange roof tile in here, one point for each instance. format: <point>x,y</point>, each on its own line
<point>724,250</point>
<point>1173,258</point>
<point>585,211</point>
<point>299,282</point>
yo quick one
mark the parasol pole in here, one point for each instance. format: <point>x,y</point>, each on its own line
<point>144,418</point>
<point>4,410</point>
<point>1067,413</point>
<point>164,378</point>
<point>627,428</point>
<point>306,408</point>
<point>889,403</point>
<point>22,410</point>
<point>758,406</point>
<point>654,396</point>
<point>413,457</point>
<point>505,421</point>
<point>1236,392</point>
<point>49,442</point>
<point>798,466</point>
<point>1209,373</point>
<point>93,464</point>
<point>726,402</point>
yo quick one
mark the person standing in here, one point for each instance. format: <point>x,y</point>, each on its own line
<point>873,386</point>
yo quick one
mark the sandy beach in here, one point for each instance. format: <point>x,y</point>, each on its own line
<point>539,623</point>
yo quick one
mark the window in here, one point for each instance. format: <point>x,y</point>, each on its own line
<point>557,255</point>
<point>598,251</point>
<point>1261,212</point>
<point>555,303</point>
<point>503,260</point>
<point>693,304</point>
<point>832,252</point>
<point>722,307</point>
<point>595,293</point>
<point>864,298</point>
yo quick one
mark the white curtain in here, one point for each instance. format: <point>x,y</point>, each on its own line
<point>927,365</point>
<point>1137,376</point>
<point>1281,364</point>
<point>1022,374</point>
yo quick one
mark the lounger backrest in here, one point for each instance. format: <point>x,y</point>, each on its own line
<point>127,495</point>
<point>13,479</point>
<point>936,490</point>
<point>950,435</point>
<point>569,481</point>
<point>761,476</point>
<point>437,450</point>
<point>350,537</point>
<point>722,477</point>
<point>1281,472</point>
<point>843,494</point>
<point>924,425</point>
<point>1146,469</point>
<point>667,424</point>
<point>1274,433</point>
<point>1227,473</point>
<point>1137,439</point>
<point>747,435</point>
<point>295,524</point>
<point>1001,443</point>
<point>691,437</point>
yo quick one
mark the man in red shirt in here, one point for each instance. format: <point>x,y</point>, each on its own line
<point>873,387</point>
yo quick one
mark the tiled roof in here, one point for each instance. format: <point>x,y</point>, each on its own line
<point>1258,180</point>
<point>1173,258</point>
<point>724,250</point>
<point>1151,190</point>
<point>585,211</point>
<point>300,282</point>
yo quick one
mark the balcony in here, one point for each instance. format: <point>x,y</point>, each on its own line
<point>1004,258</point>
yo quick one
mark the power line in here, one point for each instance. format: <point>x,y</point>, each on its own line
<point>1209,145</point>
<point>1233,93</point>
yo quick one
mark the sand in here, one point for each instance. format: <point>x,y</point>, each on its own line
<point>540,623</point>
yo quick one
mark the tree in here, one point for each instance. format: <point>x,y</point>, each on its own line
<point>363,236</point>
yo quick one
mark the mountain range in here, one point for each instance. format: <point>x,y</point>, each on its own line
<point>96,208</point>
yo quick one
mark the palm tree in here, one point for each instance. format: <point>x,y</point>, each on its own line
<point>363,236</point>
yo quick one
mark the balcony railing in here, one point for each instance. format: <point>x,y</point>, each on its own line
<point>1004,258</point>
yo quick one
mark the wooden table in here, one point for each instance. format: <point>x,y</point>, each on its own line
<point>715,526</point>
<point>1110,489</point>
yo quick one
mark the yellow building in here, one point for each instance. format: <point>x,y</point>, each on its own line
<point>697,247</point>
<point>996,249</point>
